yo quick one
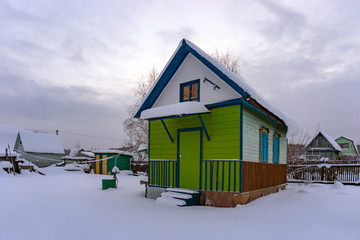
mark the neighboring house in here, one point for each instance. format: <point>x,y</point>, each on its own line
<point>38,148</point>
<point>121,159</point>
<point>322,146</point>
<point>348,146</point>
<point>8,136</point>
<point>210,131</point>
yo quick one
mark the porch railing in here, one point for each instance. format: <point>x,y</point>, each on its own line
<point>221,175</point>
<point>162,173</point>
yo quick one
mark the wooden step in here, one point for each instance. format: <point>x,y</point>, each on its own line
<point>176,195</point>
<point>170,201</point>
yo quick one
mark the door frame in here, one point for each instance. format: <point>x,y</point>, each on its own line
<point>178,150</point>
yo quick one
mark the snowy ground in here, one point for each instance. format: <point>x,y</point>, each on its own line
<point>71,205</point>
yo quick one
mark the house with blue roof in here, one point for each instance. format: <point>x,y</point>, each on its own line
<point>212,133</point>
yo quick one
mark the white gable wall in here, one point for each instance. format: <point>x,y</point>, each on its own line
<point>192,69</point>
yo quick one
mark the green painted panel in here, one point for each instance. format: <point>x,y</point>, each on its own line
<point>215,176</point>
<point>222,125</point>
<point>189,160</point>
<point>122,162</point>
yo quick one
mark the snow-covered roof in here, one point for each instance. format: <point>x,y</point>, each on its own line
<point>233,80</point>
<point>41,143</point>
<point>177,109</point>
<point>8,136</point>
<point>77,158</point>
<point>88,154</point>
<point>114,151</point>
<point>329,139</point>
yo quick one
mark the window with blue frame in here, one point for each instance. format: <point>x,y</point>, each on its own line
<point>264,132</point>
<point>276,148</point>
<point>190,91</point>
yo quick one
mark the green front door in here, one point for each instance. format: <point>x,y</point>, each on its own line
<point>189,159</point>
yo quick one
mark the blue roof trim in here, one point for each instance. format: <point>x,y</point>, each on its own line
<point>226,103</point>
<point>218,72</point>
<point>164,78</point>
<point>173,66</point>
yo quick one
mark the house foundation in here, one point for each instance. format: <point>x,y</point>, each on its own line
<point>154,192</point>
<point>231,199</point>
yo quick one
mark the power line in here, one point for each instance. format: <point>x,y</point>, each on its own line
<point>86,135</point>
<point>74,133</point>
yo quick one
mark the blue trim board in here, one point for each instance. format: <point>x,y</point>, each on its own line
<point>165,77</point>
<point>226,103</point>
<point>241,144</point>
<point>218,72</point>
<point>148,152</point>
<point>173,66</point>
<point>203,127</point>
<point>167,131</point>
<point>178,116</point>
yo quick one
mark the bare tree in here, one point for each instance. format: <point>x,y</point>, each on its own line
<point>296,147</point>
<point>228,59</point>
<point>137,129</point>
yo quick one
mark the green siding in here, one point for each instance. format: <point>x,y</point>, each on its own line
<point>253,121</point>
<point>224,135</point>
<point>351,149</point>
<point>222,125</point>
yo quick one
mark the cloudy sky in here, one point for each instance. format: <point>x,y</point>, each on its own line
<point>73,65</point>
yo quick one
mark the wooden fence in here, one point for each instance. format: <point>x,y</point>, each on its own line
<point>348,173</point>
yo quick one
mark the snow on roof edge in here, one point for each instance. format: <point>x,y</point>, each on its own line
<point>176,109</point>
<point>114,151</point>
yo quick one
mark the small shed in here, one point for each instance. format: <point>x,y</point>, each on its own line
<point>348,147</point>
<point>105,160</point>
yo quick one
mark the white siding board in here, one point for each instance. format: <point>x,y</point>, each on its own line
<point>192,69</point>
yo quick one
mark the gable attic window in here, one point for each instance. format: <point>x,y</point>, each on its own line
<point>190,91</point>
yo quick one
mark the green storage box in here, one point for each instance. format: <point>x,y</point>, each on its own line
<point>108,183</point>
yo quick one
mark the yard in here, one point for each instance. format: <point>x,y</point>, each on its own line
<point>71,205</point>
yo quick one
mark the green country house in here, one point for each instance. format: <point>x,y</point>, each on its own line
<point>210,131</point>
